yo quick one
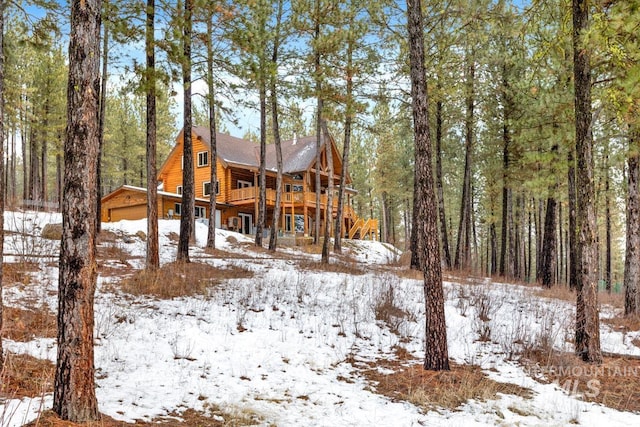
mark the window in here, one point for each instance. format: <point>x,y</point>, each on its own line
<point>178,209</point>
<point>179,189</point>
<point>244,184</point>
<point>203,159</point>
<point>200,212</point>
<point>206,188</point>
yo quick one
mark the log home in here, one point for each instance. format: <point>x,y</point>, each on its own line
<point>237,189</point>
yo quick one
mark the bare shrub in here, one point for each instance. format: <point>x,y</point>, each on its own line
<point>485,305</point>
<point>387,309</point>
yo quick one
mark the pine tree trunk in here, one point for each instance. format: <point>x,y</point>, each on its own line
<point>273,237</point>
<point>153,245</point>
<point>188,195</point>
<point>328,212</point>
<point>337,246</point>
<point>43,153</point>
<point>548,263</point>
<point>12,169</point>
<point>463,245</point>
<point>587,320</point>
<point>262,197</point>
<point>2,200</point>
<point>632,249</point>
<point>275,123</point>
<point>33,163</point>
<point>572,231</point>
<point>316,74</point>
<point>529,243</point>
<point>213,137</point>
<point>23,136</point>
<point>561,253</point>
<point>607,218</point>
<point>436,353</point>
<point>74,397</point>
<point>101,117</point>
<point>439,185</point>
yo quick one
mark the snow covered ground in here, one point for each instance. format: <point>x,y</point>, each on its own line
<point>277,345</point>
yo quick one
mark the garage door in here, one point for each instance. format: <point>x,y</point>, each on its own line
<point>129,212</point>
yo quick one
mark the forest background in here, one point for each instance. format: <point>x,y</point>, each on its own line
<point>500,77</point>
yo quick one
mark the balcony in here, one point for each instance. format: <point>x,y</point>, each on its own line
<point>249,195</point>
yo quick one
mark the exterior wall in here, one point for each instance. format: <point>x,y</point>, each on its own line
<point>172,174</point>
<point>125,205</point>
<point>132,205</point>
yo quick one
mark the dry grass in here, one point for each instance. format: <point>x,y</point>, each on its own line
<point>623,323</point>
<point>213,417</point>
<point>26,376</point>
<point>331,267</point>
<point>431,390</point>
<point>615,383</point>
<point>24,325</point>
<point>180,279</point>
<point>18,272</point>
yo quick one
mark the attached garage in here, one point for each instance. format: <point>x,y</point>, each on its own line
<point>128,202</point>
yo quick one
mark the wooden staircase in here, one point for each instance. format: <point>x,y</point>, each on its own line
<point>364,229</point>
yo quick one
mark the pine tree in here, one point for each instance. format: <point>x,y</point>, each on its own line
<point>436,353</point>
<point>188,195</point>
<point>153,245</point>
<point>587,321</point>
<point>74,397</point>
<point>2,166</point>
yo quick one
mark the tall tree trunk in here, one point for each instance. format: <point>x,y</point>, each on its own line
<point>548,263</point>
<point>2,6</point>
<point>506,147</point>
<point>439,185</point>
<point>213,136</point>
<point>275,123</point>
<point>328,213</point>
<point>607,218</point>
<point>262,198</point>
<point>529,242</point>
<point>436,353</point>
<point>349,115</point>
<point>101,117</point>
<point>632,249</point>
<point>153,245</point>
<point>463,244</point>
<point>23,136</point>
<point>43,153</point>
<point>320,106</point>
<point>561,254</point>
<point>188,195</point>
<point>385,217</point>
<point>587,320</point>
<point>12,168</point>
<point>573,229</point>
<point>74,397</point>
<point>33,163</point>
